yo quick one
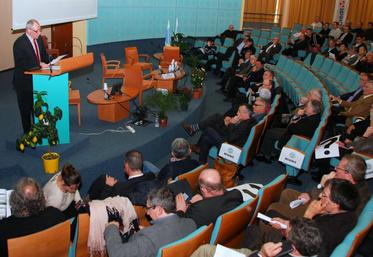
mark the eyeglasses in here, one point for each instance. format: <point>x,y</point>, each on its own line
<point>149,207</point>
<point>36,31</point>
<point>340,169</point>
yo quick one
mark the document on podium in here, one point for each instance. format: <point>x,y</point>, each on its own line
<point>56,60</point>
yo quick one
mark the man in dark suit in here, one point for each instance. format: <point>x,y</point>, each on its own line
<point>213,201</point>
<point>346,37</point>
<point>301,43</point>
<point>29,53</point>
<point>135,188</point>
<point>269,50</point>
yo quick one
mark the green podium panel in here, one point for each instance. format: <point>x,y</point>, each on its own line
<point>58,95</point>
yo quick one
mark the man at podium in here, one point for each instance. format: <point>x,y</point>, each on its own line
<point>29,54</point>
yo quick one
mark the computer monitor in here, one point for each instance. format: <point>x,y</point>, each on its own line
<point>116,89</point>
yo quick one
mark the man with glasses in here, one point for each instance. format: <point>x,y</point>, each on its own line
<point>29,54</point>
<point>351,168</point>
<point>213,201</point>
<point>166,227</point>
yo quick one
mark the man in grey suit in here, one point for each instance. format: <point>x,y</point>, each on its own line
<point>167,227</point>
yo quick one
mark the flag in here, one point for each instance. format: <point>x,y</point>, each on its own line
<point>167,41</point>
<point>177,25</point>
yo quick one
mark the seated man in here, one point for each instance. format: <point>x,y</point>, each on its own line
<point>213,201</point>
<point>303,234</point>
<point>218,129</point>
<point>204,52</point>
<point>135,188</point>
<point>61,191</point>
<point>303,126</point>
<point>268,51</point>
<point>355,109</point>
<point>29,213</point>
<point>167,227</point>
<point>334,215</point>
<point>299,44</point>
<point>351,168</point>
<point>180,161</point>
<point>230,33</point>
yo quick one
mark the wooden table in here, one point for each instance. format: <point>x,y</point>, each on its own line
<point>117,107</point>
<point>169,84</point>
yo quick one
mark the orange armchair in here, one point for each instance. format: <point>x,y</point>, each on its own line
<point>110,69</point>
<point>133,58</point>
<point>133,78</point>
<point>169,53</point>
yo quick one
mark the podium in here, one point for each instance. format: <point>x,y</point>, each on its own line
<point>55,83</point>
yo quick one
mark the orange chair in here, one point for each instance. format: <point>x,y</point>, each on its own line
<point>83,231</point>
<point>74,99</point>
<point>141,215</point>
<point>52,50</point>
<point>110,69</point>
<point>133,78</point>
<point>169,53</point>
<point>192,176</point>
<point>133,58</point>
<point>53,241</point>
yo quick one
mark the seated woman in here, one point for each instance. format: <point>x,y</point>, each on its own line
<point>180,161</point>
<point>61,191</point>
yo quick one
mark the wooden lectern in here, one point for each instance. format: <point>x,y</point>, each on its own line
<point>55,83</point>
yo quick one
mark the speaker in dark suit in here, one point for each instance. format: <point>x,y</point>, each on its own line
<point>29,53</point>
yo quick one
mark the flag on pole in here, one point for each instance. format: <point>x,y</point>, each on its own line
<point>177,25</point>
<point>167,41</point>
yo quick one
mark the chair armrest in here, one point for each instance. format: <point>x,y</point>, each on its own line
<point>145,56</point>
<point>113,62</point>
<point>112,66</point>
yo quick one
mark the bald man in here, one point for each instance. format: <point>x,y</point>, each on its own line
<point>213,201</point>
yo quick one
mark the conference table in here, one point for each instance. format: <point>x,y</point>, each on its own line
<point>117,107</point>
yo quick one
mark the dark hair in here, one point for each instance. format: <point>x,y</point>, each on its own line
<point>316,106</point>
<point>343,193</point>
<point>305,236</point>
<point>27,198</point>
<point>134,159</point>
<point>70,175</point>
<point>162,197</point>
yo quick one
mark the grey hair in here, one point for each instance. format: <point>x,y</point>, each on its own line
<point>316,106</point>
<point>162,197</point>
<point>180,148</point>
<point>27,198</point>
<point>31,23</point>
<point>356,166</point>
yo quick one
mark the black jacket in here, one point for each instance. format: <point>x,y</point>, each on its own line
<point>174,169</point>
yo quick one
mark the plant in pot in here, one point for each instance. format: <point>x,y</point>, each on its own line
<point>178,39</point>
<point>44,128</point>
<point>164,102</point>
<point>184,95</point>
<point>197,77</point>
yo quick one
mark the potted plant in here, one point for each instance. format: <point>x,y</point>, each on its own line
<point>197,77</point>
<point>184,95</point>
<point>164,102</point>
<point>179,40</point>
<point>44,128</point>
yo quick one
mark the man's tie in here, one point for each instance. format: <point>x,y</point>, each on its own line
<point>36,50</point>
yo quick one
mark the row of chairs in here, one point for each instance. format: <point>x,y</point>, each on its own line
<point>338,77</point>
<point>296,80</point>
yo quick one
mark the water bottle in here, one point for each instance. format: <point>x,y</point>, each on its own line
<point>156,121</point>
<point>106,95</point>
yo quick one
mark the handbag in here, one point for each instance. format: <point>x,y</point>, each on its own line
<point>228,172</point>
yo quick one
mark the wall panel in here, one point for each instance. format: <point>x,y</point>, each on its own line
<point>120,20</point>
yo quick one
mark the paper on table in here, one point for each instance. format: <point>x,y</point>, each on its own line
<point>56,60</point>
<point>222,251</point>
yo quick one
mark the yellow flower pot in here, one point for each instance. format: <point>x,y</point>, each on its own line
<point>50,162</point>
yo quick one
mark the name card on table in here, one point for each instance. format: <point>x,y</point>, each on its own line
<point>170,75</point>
<point>230,152</point>
<point>292,157</point>
<point>328,148</point>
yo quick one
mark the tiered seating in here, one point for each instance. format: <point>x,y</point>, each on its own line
<point>338,77</point>
<point>296,80</point>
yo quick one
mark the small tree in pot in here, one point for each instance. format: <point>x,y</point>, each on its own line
<point>44,128</point>
<point>197,78</point>
<point>164,103</point>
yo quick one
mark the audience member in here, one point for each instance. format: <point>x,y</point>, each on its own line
<point>166,227</point>
<point>324,32</point>
<point>335,32</point>
<point>213,201</point>
<point>302,126</point>
<point>332,50</point>
<point>365,64</point>
<point>228,33</point>
<point>218,129</point>
<point>359,41</point>
<point>303,234</point>
<point>299,44</point>
<point>135,188</point>
<point>346,36</point>
<point>268,51</point>
<point>343,52</point>
<point>180,161</point>
<point>61,191</point>
<point>205,52</point>
<point>29,213</point>
<point>317,24</point>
